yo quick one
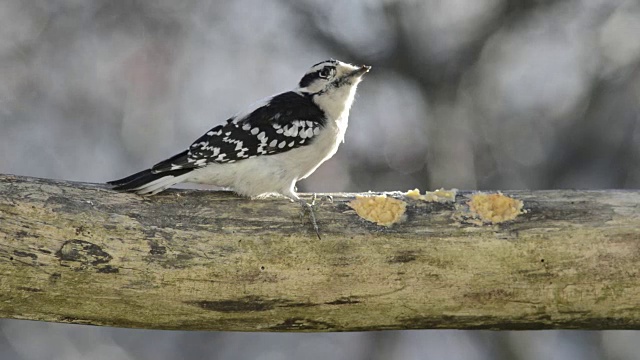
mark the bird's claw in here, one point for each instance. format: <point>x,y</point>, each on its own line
<point>312,216</point>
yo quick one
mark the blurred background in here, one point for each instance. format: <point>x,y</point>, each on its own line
<point>472,94</point>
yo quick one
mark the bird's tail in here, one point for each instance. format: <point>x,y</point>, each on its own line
<point>149,182</point>
<point>161,176</point>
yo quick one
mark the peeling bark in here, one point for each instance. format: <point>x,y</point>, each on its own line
<point>202,260</point>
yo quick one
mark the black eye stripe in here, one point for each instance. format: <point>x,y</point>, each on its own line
<point>310,77</point>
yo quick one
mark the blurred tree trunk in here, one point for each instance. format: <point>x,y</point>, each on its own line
<point>200,260</point>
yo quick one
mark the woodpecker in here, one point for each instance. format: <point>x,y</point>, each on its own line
<point>269,147</point>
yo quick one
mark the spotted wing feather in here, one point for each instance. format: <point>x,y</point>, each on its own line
<point>287,121</point>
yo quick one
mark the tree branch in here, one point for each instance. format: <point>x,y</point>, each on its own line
<point>200,260</point>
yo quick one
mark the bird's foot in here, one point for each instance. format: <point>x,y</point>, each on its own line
<point>312,216</point>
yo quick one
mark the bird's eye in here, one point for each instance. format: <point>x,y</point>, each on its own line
<point>325,72</point>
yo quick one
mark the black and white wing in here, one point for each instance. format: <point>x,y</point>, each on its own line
<point>285,122</point>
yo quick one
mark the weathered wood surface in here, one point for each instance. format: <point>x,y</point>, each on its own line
<point>80,253</point>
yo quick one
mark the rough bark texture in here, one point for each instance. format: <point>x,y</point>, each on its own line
<point>200,260</point>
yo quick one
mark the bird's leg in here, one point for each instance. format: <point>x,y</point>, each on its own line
<point>312,216</point>
<point>291,194</point>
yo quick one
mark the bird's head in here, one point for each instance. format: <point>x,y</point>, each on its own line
<point>330,75</point>
<point>332,84</point>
